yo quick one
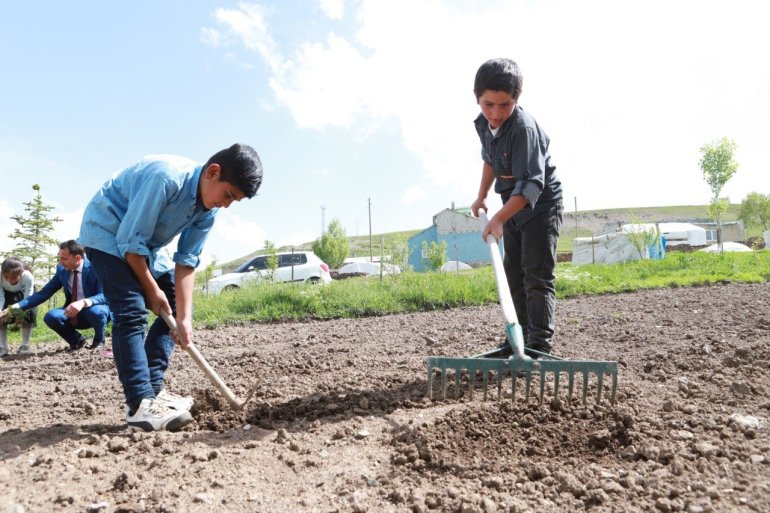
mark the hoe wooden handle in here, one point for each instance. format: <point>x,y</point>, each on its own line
<point>204,365</point>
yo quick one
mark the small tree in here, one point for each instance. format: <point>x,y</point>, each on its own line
<point>332,247</point>
<point>718,167</point>
<point>35,242</point>
<point>272,259</point>
<point>434,253</point>
<point>397,249</point>
<point>755,210</point>
<point>209,272</point>
<point>641,238</point>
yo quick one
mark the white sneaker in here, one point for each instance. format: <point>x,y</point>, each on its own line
<point>174,401</point>
<point>152,415</point>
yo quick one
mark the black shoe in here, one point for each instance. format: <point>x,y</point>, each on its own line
<point>536,352</point>
<point>78,345</point>
<point>504,350</point>
<point>96,345</point>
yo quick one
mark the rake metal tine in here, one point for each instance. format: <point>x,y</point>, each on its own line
<point>614,387</point>
<point>457,383</point>
<point>528,377</point>
<point>485,382</point>
<point>570,386</point>
<point>499,378</point>
<point>542,386</point>
<point>430,383</point>
<point>600,380</point>
<point>556,384</point>
<point>443,384</point>
<point>585,386</point>
<point>471,383</point>
<point>514,378</point>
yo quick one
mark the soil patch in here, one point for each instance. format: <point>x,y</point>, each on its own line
<point>340,420</point>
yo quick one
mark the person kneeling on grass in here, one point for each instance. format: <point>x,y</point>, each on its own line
<point>126,224</point>
<point>84,304</point>
<point>17,283</point>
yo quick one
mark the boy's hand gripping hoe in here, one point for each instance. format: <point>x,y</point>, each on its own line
<point>198,358</point>
<point>493,366</point>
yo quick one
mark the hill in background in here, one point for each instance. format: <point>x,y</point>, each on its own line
<point>589,222</point>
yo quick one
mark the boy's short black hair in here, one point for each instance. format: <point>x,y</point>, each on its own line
<point>498,75</point>
<point>73,247</point>
<point>240,166</point>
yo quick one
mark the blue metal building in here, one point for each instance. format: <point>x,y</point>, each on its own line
<point>462,233</point>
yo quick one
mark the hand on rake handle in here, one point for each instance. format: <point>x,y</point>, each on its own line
<point>494,228</point>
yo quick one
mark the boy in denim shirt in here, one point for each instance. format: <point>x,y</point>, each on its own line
<point>516,159</point>
<point>130,219</point>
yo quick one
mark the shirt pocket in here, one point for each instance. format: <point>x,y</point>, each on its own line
<point>504,171</point>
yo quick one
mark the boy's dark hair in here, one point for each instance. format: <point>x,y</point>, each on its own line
<point>498,75</point>
<point>240,166</point>
<point>73,247</point>
<point>12,265</point>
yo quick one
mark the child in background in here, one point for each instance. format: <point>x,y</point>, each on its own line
<point>17,283</point>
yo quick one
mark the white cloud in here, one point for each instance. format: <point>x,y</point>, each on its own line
<point>627,92</point>
<point>341,81</point>
<point>296,239</point>
<point>69,226</point>
<point>232,237</point>
<point>333,9</point>
<point>413,194</point>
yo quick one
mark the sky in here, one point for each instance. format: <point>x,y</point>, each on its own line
<point>364,109</point>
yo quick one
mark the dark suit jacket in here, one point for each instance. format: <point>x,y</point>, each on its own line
<point>92,289</point>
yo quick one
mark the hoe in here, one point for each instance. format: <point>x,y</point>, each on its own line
<point>492,366</point>
<point>235,402</point>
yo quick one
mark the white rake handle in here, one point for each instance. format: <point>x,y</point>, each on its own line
<point>506,302</point>
<point>204,365</point>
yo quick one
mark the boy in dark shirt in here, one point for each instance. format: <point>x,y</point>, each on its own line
<point>516,159</point>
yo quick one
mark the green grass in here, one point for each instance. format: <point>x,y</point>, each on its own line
<point>677,269</point>
<point>413,292</point>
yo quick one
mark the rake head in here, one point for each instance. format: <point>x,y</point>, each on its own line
<point>497,371</point>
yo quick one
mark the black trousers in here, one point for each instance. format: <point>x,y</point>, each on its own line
<point>530,263</point>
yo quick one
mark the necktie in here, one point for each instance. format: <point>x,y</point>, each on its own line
<point>74,318</point>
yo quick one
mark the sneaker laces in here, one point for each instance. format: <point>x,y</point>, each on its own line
<point>157,409</point>
<point>173,396</point>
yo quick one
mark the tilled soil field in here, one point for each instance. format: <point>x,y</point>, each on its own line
<point>340,421</point>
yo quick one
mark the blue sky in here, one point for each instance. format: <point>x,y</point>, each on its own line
<point>348,101</point>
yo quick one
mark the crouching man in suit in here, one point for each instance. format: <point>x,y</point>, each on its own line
<point>84,303</point>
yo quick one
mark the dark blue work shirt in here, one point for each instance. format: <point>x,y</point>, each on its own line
<point>520,158</point>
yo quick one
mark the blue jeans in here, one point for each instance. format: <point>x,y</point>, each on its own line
<point>530,262</point>
<point>141,361</point>
<point>96,317</point>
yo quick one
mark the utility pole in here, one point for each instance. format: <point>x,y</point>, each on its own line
<point>371,251</point>
<point>576,229</point>
<point>323,223</point>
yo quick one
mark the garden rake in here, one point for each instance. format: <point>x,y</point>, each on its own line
<point>493,366</point>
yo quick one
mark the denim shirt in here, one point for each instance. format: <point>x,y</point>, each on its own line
<point>521,162</point>
<point>142,208</point>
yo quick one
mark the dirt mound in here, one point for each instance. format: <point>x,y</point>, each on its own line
<point>340,420</point>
